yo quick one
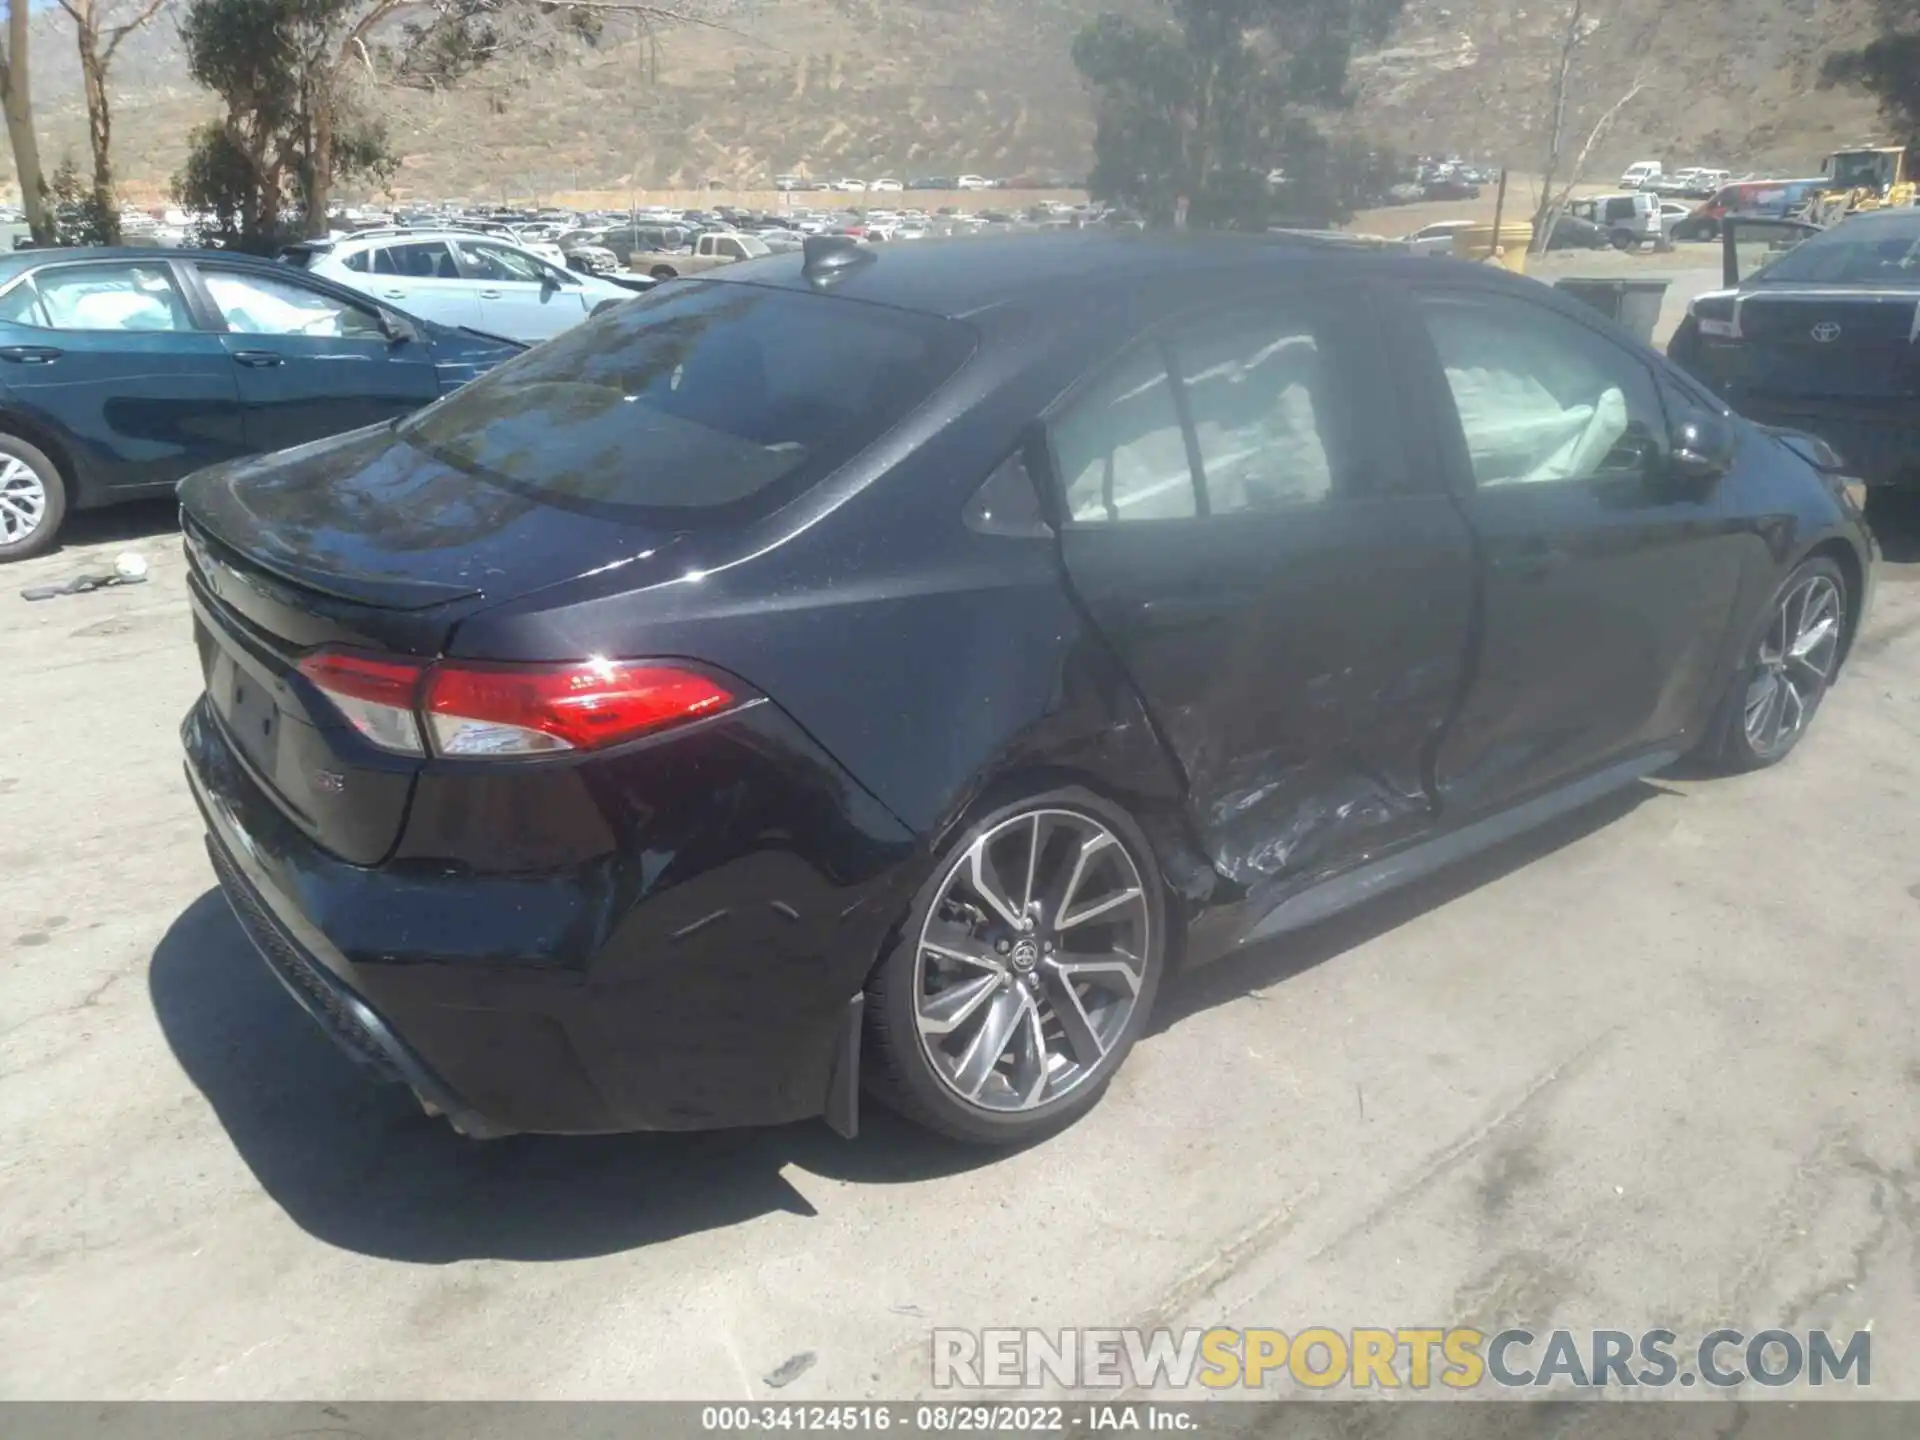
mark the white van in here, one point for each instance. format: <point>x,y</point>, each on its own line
<point>1639,173</point>
<point>1630,219</point>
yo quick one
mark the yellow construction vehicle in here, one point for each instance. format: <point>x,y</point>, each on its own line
<point>1868,177</point>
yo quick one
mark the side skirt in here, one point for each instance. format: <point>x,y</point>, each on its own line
<point>1354,887</point>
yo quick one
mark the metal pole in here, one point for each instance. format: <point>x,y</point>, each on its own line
<point>1499,212</point>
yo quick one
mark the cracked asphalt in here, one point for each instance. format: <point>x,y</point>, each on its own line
<point>1656,1066</point>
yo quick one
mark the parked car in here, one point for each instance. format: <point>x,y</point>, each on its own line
<point>461,278</point>
<point>1629,220</point>
<point>584,253</point>
<point>1672,216</point>
<point>1570,232</point>
<point>122,370</point>
<point>886,187</point>
<point>1640,173</point>
<point>1449,187</point>
<point>591,796</point>
<point>1437,238</point>
<point>716,247</point>
<point>973,182</point>
<point>1820,338</point>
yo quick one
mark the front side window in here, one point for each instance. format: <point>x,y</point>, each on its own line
<point>266,305</point>
<point>705,400</point>
<point>1540,398</point>
<point>112,297</point>
<point>483,261</point>
<point>1268,410</point>
<point>1120,450</point>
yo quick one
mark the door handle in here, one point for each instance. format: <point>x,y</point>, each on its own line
<point>489,294</point>
<point>29,354</point>
<point>256,359</point>
<point>393,294</point>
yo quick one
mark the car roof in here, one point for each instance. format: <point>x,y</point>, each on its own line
<point>967,275</point>
<point>18,262</point>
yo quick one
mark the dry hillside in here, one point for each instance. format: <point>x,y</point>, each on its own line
<point>865,87</point>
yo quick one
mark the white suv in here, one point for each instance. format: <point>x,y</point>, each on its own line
<point>463,278</point>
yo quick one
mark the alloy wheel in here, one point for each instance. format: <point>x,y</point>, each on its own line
<point>1796,661</point>
<point>1031,961</point>
<point>23,500</point>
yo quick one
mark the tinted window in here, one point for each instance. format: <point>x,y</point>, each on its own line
<point>1540,398</point>
<point>698,399</point>
<point>357,262</point>
<point>1120,450</point>
<point>421,260</point>
<point>1874,251</point>
<point>1268,410</point>
<point>111,297</point>
<point>265,305</point>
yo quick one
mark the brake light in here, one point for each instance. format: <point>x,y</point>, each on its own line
<point>532,710</point>
<point>374,693</point>
<point>478,710</point>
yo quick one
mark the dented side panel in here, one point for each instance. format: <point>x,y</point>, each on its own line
<point>1300,664</point>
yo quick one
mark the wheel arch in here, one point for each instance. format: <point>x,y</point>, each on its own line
<point>1837,549</point>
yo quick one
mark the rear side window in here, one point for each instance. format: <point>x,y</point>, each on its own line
<point>358,262</point>
<point>1120,449</point>
<point>1269,409</point>
<point>707,400</point>
<point>425,260</point>
<point>125,297</point>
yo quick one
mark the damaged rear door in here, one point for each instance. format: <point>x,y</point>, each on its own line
<point>1292,598</point>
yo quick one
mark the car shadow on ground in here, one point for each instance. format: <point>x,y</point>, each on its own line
<point>357,1164</point>
<point>1276,961</point>
<point>136,520</point>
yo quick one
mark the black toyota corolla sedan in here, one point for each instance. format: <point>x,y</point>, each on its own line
<point>880,668</point>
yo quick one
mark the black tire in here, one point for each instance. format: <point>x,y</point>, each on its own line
<point>664,272</point>
<point>898,1071</point>
<point>1729,746</point>
<point>1623,239</point>
<point>53,501</point>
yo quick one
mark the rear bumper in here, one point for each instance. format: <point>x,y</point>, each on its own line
<point>730,996</point>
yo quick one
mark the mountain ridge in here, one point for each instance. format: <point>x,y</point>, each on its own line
<point>863,88</point>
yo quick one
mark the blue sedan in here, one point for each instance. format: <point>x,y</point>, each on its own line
<point>122,370</point>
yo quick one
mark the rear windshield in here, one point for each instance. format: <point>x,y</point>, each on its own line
<point>1869,252</point>
<point>704,399</point>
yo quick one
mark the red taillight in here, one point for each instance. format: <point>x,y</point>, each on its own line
<point>476,710</point>
<point>375,693</point>
<point>529,710</point>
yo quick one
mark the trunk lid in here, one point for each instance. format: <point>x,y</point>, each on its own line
<point>1823,344</point>
<point>360,542</point>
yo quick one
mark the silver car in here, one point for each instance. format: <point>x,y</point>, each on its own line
<point>461,278</point>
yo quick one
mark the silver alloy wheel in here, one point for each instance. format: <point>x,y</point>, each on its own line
<point>23,500</point>
<point>1031,960</point>
<point>1797,656</point>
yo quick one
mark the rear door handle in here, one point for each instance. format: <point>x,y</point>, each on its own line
<point>29,354</point>
<point>257,359</point>
<point>394,294</point>
<point>489,294</point>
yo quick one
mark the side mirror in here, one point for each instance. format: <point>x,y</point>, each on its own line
<point>398,329</point>
<point>1703,448</point>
